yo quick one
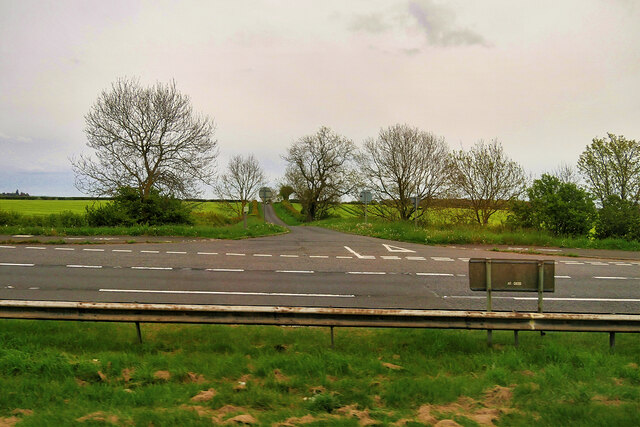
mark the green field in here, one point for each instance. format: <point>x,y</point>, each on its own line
<point>46,207</point>
<point>83,373</point>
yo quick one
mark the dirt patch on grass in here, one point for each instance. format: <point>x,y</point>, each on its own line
<point>496,402</point>
<point>162,375</point>
<point>295,421</point>
<point>100,416</point>
<point>606,401</point>
<point>351,411</point>
<point>9,421</point>
<point>204,395</point>
<point>195,378</point>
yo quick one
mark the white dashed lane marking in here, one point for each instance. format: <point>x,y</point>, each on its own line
<point>296,271</point>
<point>151,268</point>
<point>367,272</point>
<point>318,256</point>
<point>226,269</point>
<point>7,247</point>
<point>439,258</point>
<point>35,247</point>
<point>121,250</point>
<point>150,252</point>
<point>390,257</point>
<point>207,253</point>
<point>290,256</point>
<point>83,266</point>
<point>234,254</point>
<point>9,264</point>
<point>435,274</point>
<point>263,255</point>
<point>416,258</point>
<point>176,252</point>
<point>64,249</point>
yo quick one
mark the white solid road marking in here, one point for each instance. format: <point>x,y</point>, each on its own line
<point>151,268</point>
<point>207,253</point>
<point>150,252</point>
<point>7,247</point>
<point>296,271</point>
<point>121,250</point>
<point>83,266</point>
<point>391,248</point>
<point>358,255</point>
<point>8,264</point>
<point>434,274</point>
<point>234,254</point>
<point>176,252</point>
<point>264,255</point>
<point>416,258</point>
<point>64,249</point>
<point>441,258</point>
<point>277,294</point>
<point>94,250</point>
<point>548,298</point>
<point>226,269</point>
<point>35,247</point>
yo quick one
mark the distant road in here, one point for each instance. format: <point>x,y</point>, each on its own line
<point>307,267</point>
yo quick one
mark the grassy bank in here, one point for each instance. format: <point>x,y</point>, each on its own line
<point>468,234</point>
<point>56,373</point>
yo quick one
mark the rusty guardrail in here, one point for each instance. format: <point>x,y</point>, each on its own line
<point>317,316</point>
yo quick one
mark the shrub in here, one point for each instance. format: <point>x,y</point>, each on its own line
<point>128,208</point>
<point>618,218</point>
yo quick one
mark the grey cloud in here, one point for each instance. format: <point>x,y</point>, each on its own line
<point>372,23</point>
<point>438,24</point>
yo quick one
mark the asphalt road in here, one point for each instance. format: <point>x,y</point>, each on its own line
<point>307,267</point>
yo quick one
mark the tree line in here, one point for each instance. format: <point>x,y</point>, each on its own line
<point>150,141</point>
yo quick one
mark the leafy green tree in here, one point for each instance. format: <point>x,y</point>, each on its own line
<point>286,191</point>
<point>560,207</point>
<point>611,166</point>
<point>618,218</point>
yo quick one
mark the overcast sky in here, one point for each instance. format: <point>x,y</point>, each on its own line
<point>543,77</point>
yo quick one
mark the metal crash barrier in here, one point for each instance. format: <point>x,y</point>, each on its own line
<point>326,317</point>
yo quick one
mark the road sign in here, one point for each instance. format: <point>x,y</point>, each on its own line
<point>415,201</point>
<point>245,209</point>
<point>265,193</point>
<point>511,275</point>
<point>365,196</point>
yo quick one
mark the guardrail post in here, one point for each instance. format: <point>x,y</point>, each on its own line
<point>540,288</point>
<point>139,332</point>
<point>612,341</point>
<point>488,279</point>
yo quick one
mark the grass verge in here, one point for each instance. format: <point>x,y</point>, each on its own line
<point>63,373</point>
<point>255,227</point>
<point>461,234</point>
<point>287,214</point>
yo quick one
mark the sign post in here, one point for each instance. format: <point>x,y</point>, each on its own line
<point>415,200</point>
<point>245,211</point>
<point>265,194</point>
<point>365,197</point>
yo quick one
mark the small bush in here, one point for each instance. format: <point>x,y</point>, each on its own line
<point>618,218</point>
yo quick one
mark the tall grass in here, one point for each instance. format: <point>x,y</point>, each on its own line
<point>65,371</point>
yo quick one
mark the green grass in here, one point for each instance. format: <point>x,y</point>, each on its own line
<point>54,373</point>
<point>255,227</point>
<point>468,234</point>
<point>45,207</point>
<point>285,215</point>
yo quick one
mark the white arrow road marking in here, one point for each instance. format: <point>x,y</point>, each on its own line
<point>277,294</point>
<point>391,248</point>
<point>358,255</point>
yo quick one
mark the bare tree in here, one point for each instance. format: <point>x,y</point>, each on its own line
<point>566,173</point>
<point>405,162</point>
<point>612,167</point>
<point>320,170</point>
<point>146,138</point>
<point>487,178</point>
<point>242,180</point>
